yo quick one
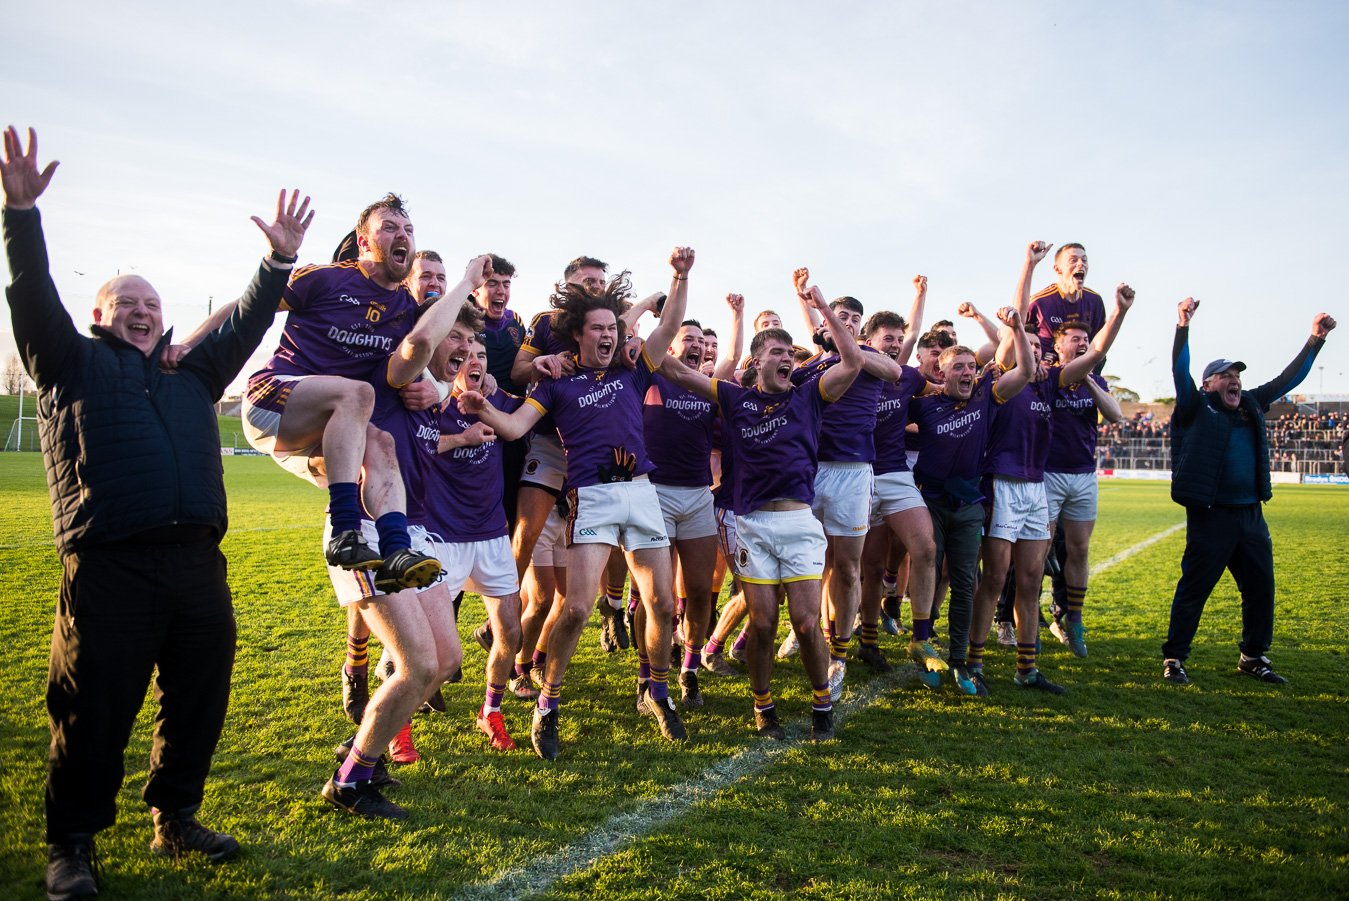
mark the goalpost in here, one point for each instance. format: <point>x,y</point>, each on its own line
<point>23,430</point>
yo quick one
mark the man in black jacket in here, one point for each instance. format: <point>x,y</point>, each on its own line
<point>1220,474</point>
<point>132,452</point>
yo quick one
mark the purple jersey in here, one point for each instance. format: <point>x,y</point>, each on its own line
<point>849,422</point>
<point>892,416</point>
<point>952,436</point>
<point>1018,444</point>
<point>1072,444</point>
<point>599,419</point>
<point>540,340</point>
<point>463,488</point>
<point>773,440</point>
<point>340,323</point>
<point>677,424</point>
<point>1050,309</point>
<point>415,438</point>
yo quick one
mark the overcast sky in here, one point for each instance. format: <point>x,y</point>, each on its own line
<point>1194,148</point>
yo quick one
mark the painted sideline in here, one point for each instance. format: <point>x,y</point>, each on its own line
<point>615,832</point>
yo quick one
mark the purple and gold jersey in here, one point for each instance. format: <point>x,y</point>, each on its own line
<point>1072,444</point>
<point>1050,309</point>
<point>849,421</point>
<point>773,441</point>
<point>340,323</point>
<point>952,437</point>
<point>463,488</point>
<point>889,438</point>
<point>415,437</point>
<point>1018,443</point>
<point>599,419</point>
<point>677,424</point>
<point>540,339</point>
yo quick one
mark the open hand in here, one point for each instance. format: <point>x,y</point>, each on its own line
<point>286,234</point>
<point>23,183</point>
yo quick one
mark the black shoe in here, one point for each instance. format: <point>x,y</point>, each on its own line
<point>890,607</point>
<point>689,695</point>
<point>483,635</point>
<point>380,778</point>
<point>456,677</point>
<point>667,717</point>
<point>362,800</point>
<point>608,632</point>
<point>767,726</point>
<point>1260,668</point>
<point>874,657</point>
<point>821,725</point>
<point>177,835</point>
<point>980,686</point>
<point>1173,671</point>
<point>355,694</point>
<point>543,734</point>
<point>70,870</point>
<point>406,569</point>
<point>1037,680</point>
<point>433,704</point>
<point>643,707</point>
<point>349,550</point>
<point>624,629</point>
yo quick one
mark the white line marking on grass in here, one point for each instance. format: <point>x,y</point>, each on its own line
<point>1130,551</point>
<point>620,829</point>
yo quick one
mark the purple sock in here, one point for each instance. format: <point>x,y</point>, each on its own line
<point>393,533</point>
<point>643,667</point>
<point>358,767</point>
<point>693,657</point>
<point>713,646</point>
<point>344,506</point>
<point>741,640</point>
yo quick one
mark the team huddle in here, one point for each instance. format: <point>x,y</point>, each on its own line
<point>575,463</point>
<point>546,469</point>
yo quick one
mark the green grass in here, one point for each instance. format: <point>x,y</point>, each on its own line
<point>231,432</point>
<point>1126,787</point>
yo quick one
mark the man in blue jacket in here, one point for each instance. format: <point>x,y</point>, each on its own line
<point>1220,474</point>
<point>132,452</point>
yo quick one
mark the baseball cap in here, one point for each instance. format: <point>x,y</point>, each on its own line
<point>1218,366</point>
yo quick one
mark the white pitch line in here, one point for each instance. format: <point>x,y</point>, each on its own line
<point>615,832</point>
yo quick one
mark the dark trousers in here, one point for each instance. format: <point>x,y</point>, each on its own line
<point>1218,538</point>
<point>513,455</point>
<point>956,531</point>
<point>126,610</point>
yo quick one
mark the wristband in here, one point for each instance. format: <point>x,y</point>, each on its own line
<point>282,258</point>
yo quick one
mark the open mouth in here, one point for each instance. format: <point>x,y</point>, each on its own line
<point>785,371</point>
<point>399,254</point>
<point>1079,275</point>
<point>474,377</point>
<point>693,358</point>
<point>606,347</point>
<point>453,363</point>
<point>139,328</point>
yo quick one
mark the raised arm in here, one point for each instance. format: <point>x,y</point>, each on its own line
<point>1077,369</point>
<point>634,313</point>
<point>838,378</point>
<point>1186,392</point>
<point>1035,252</point>
<point>800,281</point>
<point>1106,404</point>
<point>915,318</point>
<point>658,342</point>
<point>46,335</point>
<point>412,355</point>
<point>1016,378</point>
<point>725,368</point>
<point>507,426</point>
<point>990,330</point>
<point>1300,367</point>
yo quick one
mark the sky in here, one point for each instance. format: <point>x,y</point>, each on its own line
<point>1194,148</point>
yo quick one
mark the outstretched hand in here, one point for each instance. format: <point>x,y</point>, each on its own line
<point>1322,325</point>
<point>23,183</point>
<point>286,234</point>
<point>1186,309</point>
<point>472,402</point>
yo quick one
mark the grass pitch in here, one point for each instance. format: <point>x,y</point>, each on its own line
<point>1126,787</point>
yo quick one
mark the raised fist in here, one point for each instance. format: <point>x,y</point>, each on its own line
<point>800,278</point>
<point>736,302</point>
<point>1186,308</point>
<point>1037,251</point>
<point>1124,296</point>
<point>920,283</point>
<point>1322,325</point>
<point>681,258</point>
<point>1009,317</point>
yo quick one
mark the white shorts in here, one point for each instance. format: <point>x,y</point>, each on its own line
<point>484,567</point>
<point>687,512</point>
<point>262,423</point>
<point>894,492</point>
<point>726,536</point>
<point>622,514</point>
<point>1071,495</point>
<point>551,548</point>
<point>780,546</point>
<point>1019,511</point>
<point>545,464</point>
<point>355,585</point>
<point>843,498</point>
